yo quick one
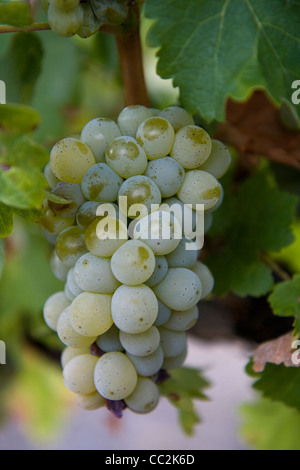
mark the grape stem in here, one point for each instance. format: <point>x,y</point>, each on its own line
<point>109,29</point>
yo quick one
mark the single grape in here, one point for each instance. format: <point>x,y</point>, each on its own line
<point>177,116</point>
<point>182,321</point>
<point>97,134</point>
<point>156,136</point>
<point>90,314</point>
<point>163,315</point>
<point>172,343</point>
<point>101,183</point>
<point>133,263</point>
<point>115,376</point>
<point>90,24</point>
<point>145,396</point>
<point>147,366</point>
<point>167,174</point>
<point>68,335</point>
<point>53,223</point>
<point>141,344</point>
<point>140,193</point>
<point>134,308</point>
<point>160,271</point>
<point>53,308</point>
<point>93,274</point>
<point>185,214</point>
<point>50,176</point>
<point>70,245</point>
<point>218,161</point>
<point>65,23</point>
<point>59,269</point>
<point>104,236</point>
<point>192,146</point>
<point>131,117</point>
<point>69,353</point>
<point>78,374</point>
<point>90,402</point>
<point>181,289</point>
<point>182,257</point>
<point>110,341</point>
<point>200,187</point>
<point>206,278</point>
<point>70,296</point>
<point>126,157</point>
<point>70,159</point>
<point>86,214</point>
<point>72,193</point>
<point>160,230</point>
<point>174,362</point>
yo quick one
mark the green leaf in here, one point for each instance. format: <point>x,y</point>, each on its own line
<point>27,154</point>
<point>22,188</point>
<point>280,383</point>
<point>214,49</point>
<point>15,14</point>
<point>185,385</point>
<point>285,298</point>
<point>21,66</point>
<point>18,119</point>
<point>269,425</point>
<point>2,255</point>
<point>6,220</point>
<point>56,198</point>
<point>255,219</point>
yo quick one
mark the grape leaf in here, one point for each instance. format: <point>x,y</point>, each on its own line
<point>256,219</point>
<point>21,66</point>
<point>15,14</point>
<point>269,425</point>
<point>18,119</point>
<point>285,300</point>
<point>184,385</point>
<point>214,49</point>
<point>2,255</point>
<point>280,383</point>
<point>6,220</point>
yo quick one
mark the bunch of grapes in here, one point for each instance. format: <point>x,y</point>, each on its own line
<point>83,17</point>
<point>132,280</point>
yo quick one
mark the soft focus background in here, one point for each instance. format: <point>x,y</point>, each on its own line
<point>80,80</point>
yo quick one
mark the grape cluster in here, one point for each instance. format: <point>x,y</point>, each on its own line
<point>131,293</point>
<point>83,17</point>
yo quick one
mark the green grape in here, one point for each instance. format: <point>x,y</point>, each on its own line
<point>97,134</point>
<point>70,159</point>
<point>54,223</point>
<point>131,117</point>
<point>185,215</point>
<point>72,284</point>
<point>206,278</point>
<point>145,396</point>
<point>126,157</point>
<point>86,214</point>
<point>218,161</point>
<point>134,308</point>
<point>133,263</point>
<point>101,183</point>
<point>172,343</point>
<point>65,23</point>
<point>156,136</point>
<point>141,344</point>
<point>93,274</point>
<point>163,315</point>
<point>177,116</point>
<point>78,374</point>
<point>182,321</point>
<point>90,402</point>
<point>115,376</point>
<point>110,341</point>
<point>147,366</point>
<point>90,314</point>
<point>184,256</point>
<point>69,353</point>
<point>181,289</point>
<point>110,11</point>
<point>174,362</point>
<point>103,238</point>
<point>91,23</point>
<point>59,269</point>
<point>192,146</point>
<point>141,192</point>
<point>72,193</point>
<point>53,308</point>
<point>68,293</point>
<point>64,5</point>
<point>67,334</point>
<point>160,271</point>
<point>200,187</point>
<point>70,245</point>
<point>50,176</point>
<point>167,173</point>
<point>160,230</point>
